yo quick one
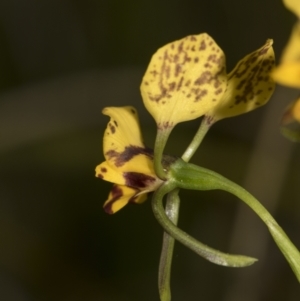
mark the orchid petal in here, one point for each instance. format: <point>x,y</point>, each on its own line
<point>288,72</point>
<point>249,84</point>
<point>121,196</point>
<point>293,5</point>
<point>107,173</point>
<point>122,143</point>
<point>184,80</point>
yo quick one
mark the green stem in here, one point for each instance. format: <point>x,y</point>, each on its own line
<point>172,212</point>
<point>165,264</point>
<point>205,251</point>
<point>190,176</point>
<point>191,149</point>
<point>160,143</point>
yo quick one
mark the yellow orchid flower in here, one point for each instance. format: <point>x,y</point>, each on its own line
<point>129,164</point>
<point>249,85</point>
<point>288,71</point>
<point>184,80</point>
<point>293,5</point>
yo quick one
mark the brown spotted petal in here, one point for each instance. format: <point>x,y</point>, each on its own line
<point>184,80</point>
<point>129,164</point>
<point>105,172</point>
<point>121,196</point>
<point>249,84</point>
<point>123,146</point>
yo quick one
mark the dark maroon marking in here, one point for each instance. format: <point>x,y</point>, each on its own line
<point>196,59</point>
<point>112,128</point>
<point>154,72</point>
<point>241,84</point>
<point>180,47</point>
<point>167,71</point>
<point>212,58</point>
<point>132,199</point>
<point>172,86</point>
<point>180,83</point>
<point>115,122</point>
<point>218,91</point>
<point>132,111</point>
<point>202,45</point>
<point>129,152</point>
<point>200,95</point>
<point>100,176</point>
<point>193,38</point>
<point>193,48</point>
<point>204,78</point>
<point>265,63</point>
<point>177,69</point>
<point>162,126</point>
<point>116,193</point>
<point>209,120</point>
<point>137,180</point>
<point>103,169</point>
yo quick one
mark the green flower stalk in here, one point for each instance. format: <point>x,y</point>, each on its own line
<point>190,176</point>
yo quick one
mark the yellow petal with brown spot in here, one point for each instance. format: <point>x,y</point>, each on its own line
<point>184,80</point>
<point>293,5</point>
<point>249,84</point>
<point>123,128</point>
<point>105,172</point>
<point>123,147</point>
<point>121,196</point>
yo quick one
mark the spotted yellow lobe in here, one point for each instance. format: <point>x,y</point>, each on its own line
<point>293,5</point>
<point>288,71</point>
<point>120,196</point>
<point>105,172</point>
<point>184,80</point>
<point>249,84</point>
<point>123,146</point>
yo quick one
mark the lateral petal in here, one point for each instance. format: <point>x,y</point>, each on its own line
<point>121,196</point>
<point>249,84</point>
<point>122,143</point>
<point>105,172</point>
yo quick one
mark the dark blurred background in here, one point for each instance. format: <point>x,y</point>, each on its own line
<point>61,62</point>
